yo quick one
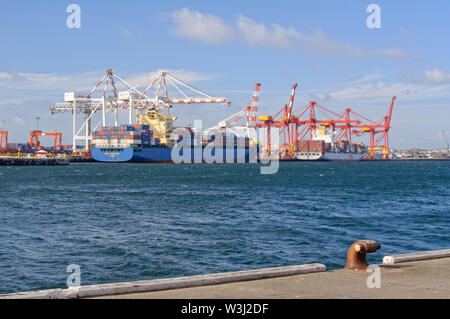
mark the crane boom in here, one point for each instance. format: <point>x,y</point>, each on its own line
<point>131,99</point>
<point>445,140</point>
<point>291,101</point>
<point>252,109</point>
<point>390,111</point>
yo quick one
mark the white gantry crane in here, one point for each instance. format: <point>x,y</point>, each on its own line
<point>153,96</point>
<point>445,141</point>
<point>248,113</point>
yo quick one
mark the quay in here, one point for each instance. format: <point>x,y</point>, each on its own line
<point>78,159</point>
<point>424,275</point>
<point>26,161</point>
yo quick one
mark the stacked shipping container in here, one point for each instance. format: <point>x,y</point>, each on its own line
<point>124,136</point>
<point>311,146</point>
<point>320,146</point>
<point>226,140</point>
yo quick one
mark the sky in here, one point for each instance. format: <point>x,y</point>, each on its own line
<point>224,48</point>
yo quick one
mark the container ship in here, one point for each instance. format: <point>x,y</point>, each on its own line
<point>324,147</point>
<point>151,140</point>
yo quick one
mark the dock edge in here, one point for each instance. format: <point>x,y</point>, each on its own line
<point>166,283</point>
<point>426,255</point>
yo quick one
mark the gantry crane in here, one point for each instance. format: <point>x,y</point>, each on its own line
<point>233,123</point>
<point>3,135</point>
<point>293,126</point>
<point>373,128</point>
<point>130,99</point>
<point>445,141</point>
<point>34,141</point>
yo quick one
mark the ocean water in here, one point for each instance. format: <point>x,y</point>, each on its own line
<point>126,222</point>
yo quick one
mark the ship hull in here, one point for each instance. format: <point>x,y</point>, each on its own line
<point>330,157</point>
<point>168,155</point>
<point>116,155</point>
<point>342,157</point>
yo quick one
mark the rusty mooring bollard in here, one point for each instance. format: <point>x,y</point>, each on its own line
<point>356,256</point>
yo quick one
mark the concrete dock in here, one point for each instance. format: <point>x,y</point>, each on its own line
<point>424,275</point>
<point>420,279</point>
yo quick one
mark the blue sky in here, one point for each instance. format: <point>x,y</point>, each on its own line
<point>225,47</point>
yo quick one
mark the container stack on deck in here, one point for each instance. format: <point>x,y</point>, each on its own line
<point>124,136</point>
<point>311,146</point>
<point>226,140</point>
<point>359,148</point>
<point>319,146</point>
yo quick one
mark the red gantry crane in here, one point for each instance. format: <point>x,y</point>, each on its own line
<point>34,141</point>
<point>3,135</point>
<point>382,127</point>
<point>295,126</point>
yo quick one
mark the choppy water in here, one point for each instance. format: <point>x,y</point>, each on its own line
<point>126,222</point>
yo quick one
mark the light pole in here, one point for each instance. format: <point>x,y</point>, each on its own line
<point>37,123</point>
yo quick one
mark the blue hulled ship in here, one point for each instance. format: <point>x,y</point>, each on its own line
<point>155,143</point>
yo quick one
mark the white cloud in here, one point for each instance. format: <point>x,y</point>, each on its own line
<point>211,29</point>
<point>203,27</point>
<point>436,76</point>
<point>13,80</point>
<point>277,36</point>
<point>11,75</point>
<point>258,33</point>
<point>394,53</point>
<point>367,92</point>
<point>127,33</point>
<point>318,42</point>
<point>18,121</point>
<point>190,76</point>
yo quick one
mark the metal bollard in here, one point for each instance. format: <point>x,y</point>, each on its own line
<point>356,255</point>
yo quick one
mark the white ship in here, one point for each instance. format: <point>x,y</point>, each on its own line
<point>330,156</point>
<point>324,147</point>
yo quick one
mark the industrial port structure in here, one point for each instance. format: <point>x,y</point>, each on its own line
<point>292,126</point>
<point>3,137</point>
<point>131,100</point>
<point>34,140</point>
<point>296,125</point>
